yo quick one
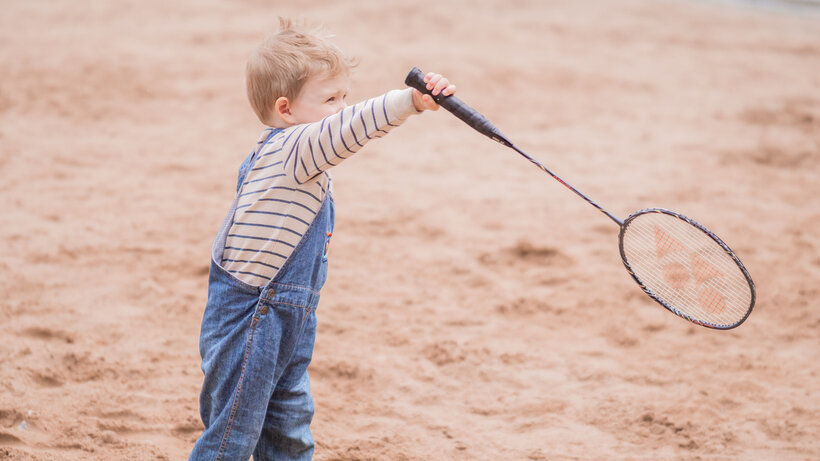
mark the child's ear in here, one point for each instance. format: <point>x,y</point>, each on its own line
<point>282,109</point>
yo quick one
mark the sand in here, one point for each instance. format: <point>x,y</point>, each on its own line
<point>476,309</point>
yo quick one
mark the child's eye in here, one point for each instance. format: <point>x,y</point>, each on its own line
<point>331,99</point>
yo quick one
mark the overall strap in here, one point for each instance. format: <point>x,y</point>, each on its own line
<point>273,131</point>
<point>249,161</point>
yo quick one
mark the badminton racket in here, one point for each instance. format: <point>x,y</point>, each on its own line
<point>678,262</point>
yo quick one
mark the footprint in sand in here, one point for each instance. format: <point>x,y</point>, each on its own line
<point>48,334</point>
<point>526,253</point>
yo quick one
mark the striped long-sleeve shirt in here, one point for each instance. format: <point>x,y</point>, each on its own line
<point>288,181</point>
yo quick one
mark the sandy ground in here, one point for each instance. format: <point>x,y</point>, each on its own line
<point>476,309</point>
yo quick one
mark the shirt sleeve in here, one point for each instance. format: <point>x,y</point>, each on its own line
<point>315,147</point>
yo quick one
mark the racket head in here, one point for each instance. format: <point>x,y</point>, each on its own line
<point>686,268</point>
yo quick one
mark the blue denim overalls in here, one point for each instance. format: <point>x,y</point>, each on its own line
<point>256,344</point>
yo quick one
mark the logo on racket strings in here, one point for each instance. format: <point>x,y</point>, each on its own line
<point>679,272</point>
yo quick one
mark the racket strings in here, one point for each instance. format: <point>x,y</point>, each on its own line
<point>679,278</point>
<point>686,268</point>
<point>685,265</point>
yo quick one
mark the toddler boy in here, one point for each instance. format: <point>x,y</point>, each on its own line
<point>269,259</point>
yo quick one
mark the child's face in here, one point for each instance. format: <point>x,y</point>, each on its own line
<point>320,96</point>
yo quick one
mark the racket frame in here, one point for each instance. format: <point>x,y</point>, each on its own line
<point>708,233</point>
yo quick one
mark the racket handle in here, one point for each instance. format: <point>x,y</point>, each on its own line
<point>415,79</point>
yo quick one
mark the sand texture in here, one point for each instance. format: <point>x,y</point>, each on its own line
<point>476,309</point>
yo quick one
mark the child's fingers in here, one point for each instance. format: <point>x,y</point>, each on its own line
<point>436,84</point>
<point>432,80</point>
<point>441,84</point>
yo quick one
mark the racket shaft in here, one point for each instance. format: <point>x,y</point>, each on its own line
<point>458,108</point>
<point>415,79</point>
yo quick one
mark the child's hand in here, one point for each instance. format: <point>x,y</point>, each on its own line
<point>438,85</point>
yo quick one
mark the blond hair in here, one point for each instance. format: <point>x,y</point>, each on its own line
<point>282,64</point>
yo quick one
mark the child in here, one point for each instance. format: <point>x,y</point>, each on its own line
<point>269,259</point>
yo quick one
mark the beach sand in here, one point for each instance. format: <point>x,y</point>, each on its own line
<point>475,309</point>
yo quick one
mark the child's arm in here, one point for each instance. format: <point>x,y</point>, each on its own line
<point>315,147</point>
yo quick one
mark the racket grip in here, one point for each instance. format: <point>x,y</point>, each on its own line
<point>415,79</point>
